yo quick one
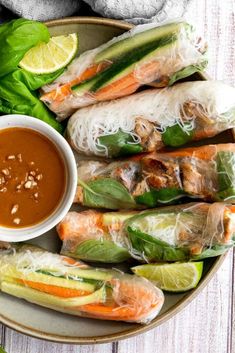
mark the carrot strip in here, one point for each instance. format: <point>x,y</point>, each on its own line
<point>100,96</point>
<point>60,93</point>
<point>107,312</point>
<point>127,84</point>
<point>231,208</point>
<point>54,290</point>
<point>203,152</point>
<point>229,226</point>
<point>75,263</point>
<point>116,87</point>
<point>85,222</point>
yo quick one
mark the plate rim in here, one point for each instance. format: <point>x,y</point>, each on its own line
<point>183,302</point>
<point>187,299</point>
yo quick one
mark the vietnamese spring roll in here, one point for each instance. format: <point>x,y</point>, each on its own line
<point>149,120</point>
<point>173,233</point>
<point>60,283</point>
<point>206,172</point>
<point>118,68</point>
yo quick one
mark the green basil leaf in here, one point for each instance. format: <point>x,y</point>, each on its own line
<point>120,144</point>
<point>153,249</point>
<point>215,250</point>
<point>16,38</point>
<point>2,350</point>
<point>106,193</point>
<point>155,197</point>
<point>226,174</point>
<point>102,251</point>
<point>187,71</point>
<point>176,136</point>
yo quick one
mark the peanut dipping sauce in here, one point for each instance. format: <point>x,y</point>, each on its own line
<point>32,177</point>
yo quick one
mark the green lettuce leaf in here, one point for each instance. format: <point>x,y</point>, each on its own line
<point>16,38</point>
<point>16,96</point>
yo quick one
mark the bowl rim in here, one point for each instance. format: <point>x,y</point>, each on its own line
<point>138,328</point>
<point>12,235</point>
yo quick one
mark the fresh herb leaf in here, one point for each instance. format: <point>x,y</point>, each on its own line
<point>2,350</point>
<point>188,71</point>
<point>215,250</point>
<point>154,249</point>
<point>16,96</point>
<point>16,38</point>
<point>120,144</point>
<point>102,251</point>
<point>176,136</point>
<point>226,174</point>
<point>34,81</point>
<point>155,197</point>
<point>106,193</point>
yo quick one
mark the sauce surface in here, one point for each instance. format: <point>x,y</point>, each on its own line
<point>32,177</point>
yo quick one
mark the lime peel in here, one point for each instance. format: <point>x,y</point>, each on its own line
<point>174,277</point>
<point>49,57</point>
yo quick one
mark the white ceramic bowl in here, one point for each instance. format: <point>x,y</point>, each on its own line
<point>20,234</point>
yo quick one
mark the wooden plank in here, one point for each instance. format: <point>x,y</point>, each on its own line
<point>232,317</point>
<point>2,335</point>
<point>18,343</point>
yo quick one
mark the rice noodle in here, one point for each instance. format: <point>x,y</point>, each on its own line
<point>162,107</point>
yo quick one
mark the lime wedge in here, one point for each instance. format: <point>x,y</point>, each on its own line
<point>175,277</point>
<point>49,57</point>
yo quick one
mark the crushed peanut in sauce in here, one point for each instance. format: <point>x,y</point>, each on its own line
<point>32,177</point>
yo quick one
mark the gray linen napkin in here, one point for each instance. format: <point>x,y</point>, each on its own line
<point>42,10</point>
<point>136,11</point>
<point>140,11</point>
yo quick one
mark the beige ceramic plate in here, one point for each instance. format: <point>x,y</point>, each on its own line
<point>47,324</point>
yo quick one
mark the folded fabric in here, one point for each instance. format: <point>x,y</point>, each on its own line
<point>136,11</point>
<point>139,11</point>
<point>42,10</point>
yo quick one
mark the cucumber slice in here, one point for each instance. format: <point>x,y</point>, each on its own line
<point>162,224</point>
<point>126,65</point>
<point>91,273</point>
<point>126,45</point>
<point>157,225</point>
<point>38,297</point>
<point>53,280</point>
<point>113,217</point>
<point>73,273</point>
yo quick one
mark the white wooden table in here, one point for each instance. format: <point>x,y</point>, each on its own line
<point>207,325</point>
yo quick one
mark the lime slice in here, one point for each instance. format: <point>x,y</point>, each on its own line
<point>49,57</point>
<point>175,277</point>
